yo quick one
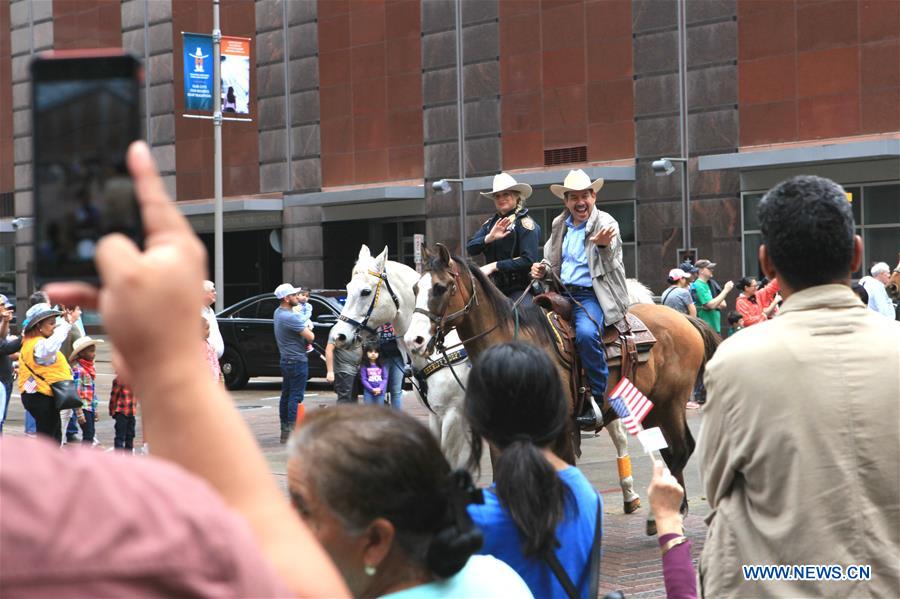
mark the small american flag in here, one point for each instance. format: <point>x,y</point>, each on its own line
<point>630,405</point>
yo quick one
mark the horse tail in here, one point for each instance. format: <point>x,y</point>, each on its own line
<point>711,340</point>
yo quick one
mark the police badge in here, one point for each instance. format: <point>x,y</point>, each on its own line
<point>528,223</point>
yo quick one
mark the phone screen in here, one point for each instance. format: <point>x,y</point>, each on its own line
<point>86,114</point>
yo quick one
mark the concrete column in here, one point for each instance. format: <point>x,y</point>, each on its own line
<point>713,128</point>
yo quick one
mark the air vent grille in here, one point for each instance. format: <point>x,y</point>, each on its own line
<point>565,155</point>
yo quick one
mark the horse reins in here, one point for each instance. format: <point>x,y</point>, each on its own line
<point>382,279</point>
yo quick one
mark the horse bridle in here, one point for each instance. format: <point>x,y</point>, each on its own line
<point>364,325</point>
<point>441,322</point>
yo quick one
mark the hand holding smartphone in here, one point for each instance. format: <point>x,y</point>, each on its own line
<point>85,110</point>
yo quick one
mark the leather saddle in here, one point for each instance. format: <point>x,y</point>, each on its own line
<point>627,343</point>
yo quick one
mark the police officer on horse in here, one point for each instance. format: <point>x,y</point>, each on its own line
<point>509,239</point>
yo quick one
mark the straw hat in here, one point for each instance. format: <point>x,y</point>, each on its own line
<point>505,182</point>
<point>576,180</point>
<point>82,343</point>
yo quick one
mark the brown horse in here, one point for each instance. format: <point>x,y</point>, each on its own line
<point>462,297</point>
<point>893,285</point>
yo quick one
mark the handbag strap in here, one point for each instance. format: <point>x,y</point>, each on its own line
<point>30,369</point>
<point>563,577</point>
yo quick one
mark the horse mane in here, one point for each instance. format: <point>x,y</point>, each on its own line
<point>638,293</point>
<point>531,318</point>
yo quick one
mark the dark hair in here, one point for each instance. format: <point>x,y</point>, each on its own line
<point>515,400</point>
<point>808,230</point>
<point>734,317</point>
<point>367,347</point>
<point>371,462</point>
<point>861,292</point>
<point>745,282</point>
<point>38,297</point>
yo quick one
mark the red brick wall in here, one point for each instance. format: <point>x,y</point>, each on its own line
<point>86,24</point>
<point>370,77</point>
<point>566,79</point>
<point>817,69</point>
<point>6,122</point>
<point>194,137</point>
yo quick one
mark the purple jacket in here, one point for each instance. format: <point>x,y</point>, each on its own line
<point>373,377</point>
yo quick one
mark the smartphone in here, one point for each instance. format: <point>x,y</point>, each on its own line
<point>86,112</point>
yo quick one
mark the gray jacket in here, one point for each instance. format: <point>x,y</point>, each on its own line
<point>605,264</point>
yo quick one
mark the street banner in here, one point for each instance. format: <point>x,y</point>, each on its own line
<point>235,74</point>
<point>198,72</point>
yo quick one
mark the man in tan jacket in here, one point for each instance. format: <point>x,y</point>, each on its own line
<point>585,253</point>
<point>800,444</point>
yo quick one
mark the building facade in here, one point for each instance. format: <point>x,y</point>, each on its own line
<point>355,116</point>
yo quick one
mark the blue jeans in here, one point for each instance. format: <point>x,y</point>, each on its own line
<point>30,423</point>
<point>588,341</point>
<point>293,385</point>
<point>72,426</point>
<point>370,398</point>
<point>395,366</point>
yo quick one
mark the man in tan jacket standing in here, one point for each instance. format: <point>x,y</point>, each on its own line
<point>800,444</point>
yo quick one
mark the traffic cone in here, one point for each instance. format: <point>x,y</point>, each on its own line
<point>301,412</point>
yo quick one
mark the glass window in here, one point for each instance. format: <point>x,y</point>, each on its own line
<point>882,205</point>
<point>752,241</point>
<point>266,308</point>
<point>881,245</point>
<point>751,203</point>
<point>856,203</point>
<point>624,215</point>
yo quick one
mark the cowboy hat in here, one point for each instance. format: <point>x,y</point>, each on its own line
<point>37,313</point>
<point>505,182</point>
<point>83,343</point>
<point>576,180</point>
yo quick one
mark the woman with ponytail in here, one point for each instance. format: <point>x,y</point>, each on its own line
<point>379,495</point>
<point>541,514</point>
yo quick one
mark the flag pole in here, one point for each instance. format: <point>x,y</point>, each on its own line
<point>218,233</point>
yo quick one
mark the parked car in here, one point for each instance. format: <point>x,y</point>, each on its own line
<point>249,335</point>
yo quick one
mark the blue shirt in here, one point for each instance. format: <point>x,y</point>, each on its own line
<point>574,270</point>
<point>482,576</point>
<point>575,533</point>
<point>291,345</point>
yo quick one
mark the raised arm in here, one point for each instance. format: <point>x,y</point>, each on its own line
<point>181,411</point>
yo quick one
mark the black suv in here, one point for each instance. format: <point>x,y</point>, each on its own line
<point>249,335</point>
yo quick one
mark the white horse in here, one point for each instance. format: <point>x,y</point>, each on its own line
<point>381,291</point>
<point>419,336</point>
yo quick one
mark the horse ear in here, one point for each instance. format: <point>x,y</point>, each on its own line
<point>443,253</point>
<point>381,258</point>
<point>364,252</point>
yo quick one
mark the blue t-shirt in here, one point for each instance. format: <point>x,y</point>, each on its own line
<point>291,345</point>
<point>575,534</point>
<point>574,269</point>
<point>482,576</point>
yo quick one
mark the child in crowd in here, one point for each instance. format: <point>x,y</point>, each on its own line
<point>304,309</point>
<point>374,375</point>
<point>211,358</point>
<point>81,360</point>
<point>123,407</point>
<point>735,322</point>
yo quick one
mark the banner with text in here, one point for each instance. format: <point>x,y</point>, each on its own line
<point>198,72</point>
<point>235,74</point>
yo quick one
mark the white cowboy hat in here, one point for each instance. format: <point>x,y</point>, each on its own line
<point>576,180</point>
<point>82,343</point>
<point>505,182</point>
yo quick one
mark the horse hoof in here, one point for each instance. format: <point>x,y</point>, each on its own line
<point>651,528</point>
<point>633,505</point>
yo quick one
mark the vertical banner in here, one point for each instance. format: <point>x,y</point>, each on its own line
<point>235,74</point>
<point>198,71</point>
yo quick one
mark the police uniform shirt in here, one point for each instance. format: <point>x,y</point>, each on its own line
<point>514,253</point>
